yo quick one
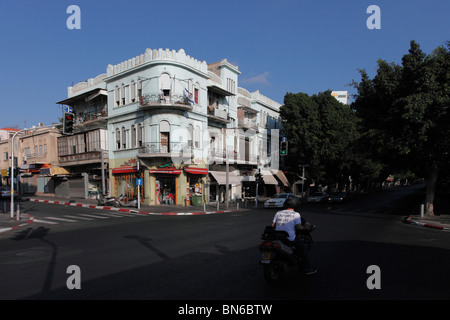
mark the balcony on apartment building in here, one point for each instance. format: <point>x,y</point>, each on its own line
<point>165,150</point>
<point>165,99</point>
<point>217,114</point>
<point>83,148</point>
<point>234,157</point>
<point>247,118</point>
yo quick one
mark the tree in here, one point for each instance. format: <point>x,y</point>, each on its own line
<point>320,131</point>
<point>405,114</point>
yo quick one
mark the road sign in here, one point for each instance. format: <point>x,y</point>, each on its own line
<point>139,182</point>
<point>68,109</point>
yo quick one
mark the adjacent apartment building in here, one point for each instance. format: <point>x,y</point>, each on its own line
<point>176,126</point>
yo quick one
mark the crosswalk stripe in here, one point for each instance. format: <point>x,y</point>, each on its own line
<point>43,221</point>
<point>114,215</point>
<point>77,217</point>
<point>93,216</point>
<point>60,219</point>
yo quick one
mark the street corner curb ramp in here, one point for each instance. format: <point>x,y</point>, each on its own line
<point>128,210</point>
<point>29,220</point>
<point>410,220</point>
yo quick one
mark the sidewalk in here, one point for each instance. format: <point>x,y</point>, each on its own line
<point>441,222</point>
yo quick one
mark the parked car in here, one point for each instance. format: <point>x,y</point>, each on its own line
<point>318,197</point>
<point>339,197</point>
<point>277,201</point>
<point>5,192</point>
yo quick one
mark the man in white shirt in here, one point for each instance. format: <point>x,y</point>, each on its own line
<point>286,220</point>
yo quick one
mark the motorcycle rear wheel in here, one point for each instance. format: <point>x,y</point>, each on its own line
<point>272,271</point>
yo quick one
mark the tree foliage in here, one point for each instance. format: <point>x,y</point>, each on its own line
<point>404,111</point>
<point>321,131</point>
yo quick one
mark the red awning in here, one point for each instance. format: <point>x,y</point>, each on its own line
<point>196,170</point>
<point>166,171</point>
<point>124,170</point>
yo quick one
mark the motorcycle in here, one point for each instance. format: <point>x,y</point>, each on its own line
<point>107,201</point>
<point>278,254</point>
<point>131,203</point>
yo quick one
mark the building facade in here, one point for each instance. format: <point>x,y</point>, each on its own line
<point>177,125</point>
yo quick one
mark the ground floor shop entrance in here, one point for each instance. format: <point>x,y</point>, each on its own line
<point>166,189</point>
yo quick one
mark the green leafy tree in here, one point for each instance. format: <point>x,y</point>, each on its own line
<point>321,132</point>
<point>405,114</point>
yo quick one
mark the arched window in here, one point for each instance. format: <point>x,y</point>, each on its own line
<point>165,87</point>
<point>133,136</point>
<point>117,139</point>
<point>190,135</point>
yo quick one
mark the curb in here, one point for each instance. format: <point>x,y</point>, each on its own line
<point>409,220</point>
<point>128,210</point>
<point>30,220</point>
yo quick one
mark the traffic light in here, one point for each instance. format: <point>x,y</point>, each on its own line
<point>284,148</point>
<point>137,174</point>
<point>258,177</point>
<point>68,123</point>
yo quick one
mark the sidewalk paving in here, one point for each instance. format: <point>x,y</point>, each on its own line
<point>441,222</point>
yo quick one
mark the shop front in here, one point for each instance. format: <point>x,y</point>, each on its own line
<point>166,185</point>
<point>125,183</point>
<point>195,185</point>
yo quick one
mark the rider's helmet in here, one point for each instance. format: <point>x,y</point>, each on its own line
<point>291,203</point>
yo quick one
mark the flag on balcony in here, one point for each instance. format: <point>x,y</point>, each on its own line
<point>188,96</point>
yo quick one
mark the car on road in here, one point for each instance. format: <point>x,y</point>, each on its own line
<point>339,197</point>
<point>317,197</point>
<point>277,201</point>
<point>5,192</point>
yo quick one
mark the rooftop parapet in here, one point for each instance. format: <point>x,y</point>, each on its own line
<point>157,55</point>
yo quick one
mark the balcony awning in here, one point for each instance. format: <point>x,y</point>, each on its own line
<point>196,170</point>
<point>219,90</point>
<point>268,177</point>
<point>280,175</point>
<point>221,178</point>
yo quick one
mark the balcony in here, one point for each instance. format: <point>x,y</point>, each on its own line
<point>156,101</point>
<point>247,123</point>
<point>82,158</point>
<point>218,115</point>
<point>234,157</point>
<point>165,150</point>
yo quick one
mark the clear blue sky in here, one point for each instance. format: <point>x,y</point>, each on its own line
<point>280,46</point>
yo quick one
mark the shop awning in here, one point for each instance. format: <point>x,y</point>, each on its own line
<point>166,171</point>
<point>123,170</point>
<point>280,175</point>
<point>196,170</point>
<point>221,178</point>
<point>268,177</point>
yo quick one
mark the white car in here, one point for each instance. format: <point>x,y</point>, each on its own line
<point>318,197</point>
<point>277,201</point>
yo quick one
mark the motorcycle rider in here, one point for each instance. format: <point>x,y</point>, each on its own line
<point>286,220</point>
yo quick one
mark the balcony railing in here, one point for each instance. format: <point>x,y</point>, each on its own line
<point>161,149</point>
<point>84,117</point>
<point>179,101</point>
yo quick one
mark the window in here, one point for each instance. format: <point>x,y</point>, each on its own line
<point>133,91</point>
<point>196,93</point>
<point>117,139</point>
<point>140,129</point>
<point>124,138</point>
<point>133,136</point>
<point>164,85</point>
<point>5,155</point>
<point>197,136</point>
<point>122,94</point>
<point>117,96</point>
<point>190,135</point>
<point>164,136</point>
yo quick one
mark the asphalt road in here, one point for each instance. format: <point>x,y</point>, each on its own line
<point>209,257</point>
